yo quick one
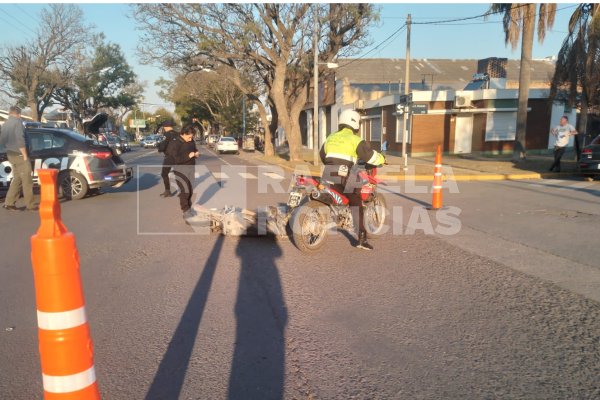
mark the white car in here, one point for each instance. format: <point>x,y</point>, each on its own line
<point>227,144</point>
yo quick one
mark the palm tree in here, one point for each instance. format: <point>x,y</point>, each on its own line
<point>577,63</point>
<point>519,23</point>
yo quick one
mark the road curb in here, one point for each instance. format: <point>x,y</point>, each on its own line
<point>459,178</point>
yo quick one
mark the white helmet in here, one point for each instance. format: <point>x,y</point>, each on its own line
<point>350,118</point>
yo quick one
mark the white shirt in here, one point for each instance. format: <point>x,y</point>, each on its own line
<point>562,134</point>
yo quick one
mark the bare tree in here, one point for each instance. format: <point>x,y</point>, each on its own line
<point>32,71</point>
<point>273,42</point>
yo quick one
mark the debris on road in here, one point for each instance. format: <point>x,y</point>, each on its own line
<point>235,221</point>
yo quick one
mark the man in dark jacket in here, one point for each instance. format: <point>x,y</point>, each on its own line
<point>182,152</point>
<point>163,147</point>
<point>13,139</point>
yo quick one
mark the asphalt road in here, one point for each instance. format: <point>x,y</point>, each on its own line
<point>177,314</point>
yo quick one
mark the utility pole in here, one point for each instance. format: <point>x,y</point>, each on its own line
<point>406,93</point>
<point>244,118</point>
<point>137,127</point>
<point>316,86</point>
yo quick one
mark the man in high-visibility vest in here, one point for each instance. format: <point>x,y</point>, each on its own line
<point>340,153</point>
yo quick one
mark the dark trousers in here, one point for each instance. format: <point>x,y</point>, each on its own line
<point>184,183</point>
<point>356,204</point>
<point>164,173</point>
<point>558,153</point>
<point>22,180</point>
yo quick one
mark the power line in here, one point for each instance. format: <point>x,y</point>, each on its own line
<point>34,19</point>
<point>392,36</point>
<point>486,14</point>
<point>13,25</point>
<point>449,21</point>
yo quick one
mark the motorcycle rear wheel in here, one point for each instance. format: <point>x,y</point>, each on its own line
<point>309,224</point>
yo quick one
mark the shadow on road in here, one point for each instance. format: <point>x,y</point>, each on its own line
<point>258,365</point>
<point>169,378</point>
<point>143,182</point>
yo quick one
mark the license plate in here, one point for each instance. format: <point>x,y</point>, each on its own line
<point>294,199</point>
<point>598,166</point>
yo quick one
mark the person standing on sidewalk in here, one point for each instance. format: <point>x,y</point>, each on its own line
<point>183,153</point>
<point>563,131</point>
<point>14,141</point>
<point>163,147</point>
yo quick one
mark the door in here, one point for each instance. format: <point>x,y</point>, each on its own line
<point>463,134</point>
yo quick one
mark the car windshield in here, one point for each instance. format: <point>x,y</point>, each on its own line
<point>596,140</point>
<point>112,139</point>
<point>227,139</point>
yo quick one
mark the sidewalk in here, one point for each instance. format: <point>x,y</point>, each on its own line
<point>471,167</point>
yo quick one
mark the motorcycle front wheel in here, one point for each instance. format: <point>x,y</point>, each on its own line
<point>375,217</point>
<point>309,224</point>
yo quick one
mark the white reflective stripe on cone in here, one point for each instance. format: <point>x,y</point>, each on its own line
<point>437,174</point>
<point>438,165</point>
<point>69,383</point>
<point>438,187</point>
<point>53,321</point>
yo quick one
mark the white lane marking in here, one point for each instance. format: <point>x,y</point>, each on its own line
<point>216,155</point>
<point>54,321</point>
<point>274,175</point>
<point>220,175</point>
<point>69,383</point>
<point>247,175</point>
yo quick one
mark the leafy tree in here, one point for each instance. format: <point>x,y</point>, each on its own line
<point>211,97</point>
<point>271,43</point>
<point>102,80</point>
<point>577,73</point>
<point>31,72</point>
<point>519,23</point>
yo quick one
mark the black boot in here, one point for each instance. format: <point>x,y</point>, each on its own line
<point>362,242</point>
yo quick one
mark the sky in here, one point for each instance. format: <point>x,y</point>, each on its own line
<point>473,39</point>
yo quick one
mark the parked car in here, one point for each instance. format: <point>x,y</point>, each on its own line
<point>149,141</point>
<point>83,163</point>
<point>589,163</point>
<point>249,143</point>
<point>212,140</point>
<point>227,144</point>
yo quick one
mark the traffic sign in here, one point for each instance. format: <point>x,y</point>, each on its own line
<point>419,108</point>
<point>137,123</point>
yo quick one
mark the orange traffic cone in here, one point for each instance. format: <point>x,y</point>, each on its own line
<point>65,344</point>
<point>436,202</point>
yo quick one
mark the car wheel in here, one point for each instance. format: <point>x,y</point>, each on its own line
<point>237,153</point>
<point>72,185</point>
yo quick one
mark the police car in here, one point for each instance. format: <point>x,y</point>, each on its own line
<point>83,163</point>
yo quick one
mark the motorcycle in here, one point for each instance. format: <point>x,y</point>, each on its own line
<point>315,208</point>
